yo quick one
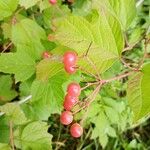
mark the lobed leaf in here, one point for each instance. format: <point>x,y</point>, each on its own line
<point>103,37</point>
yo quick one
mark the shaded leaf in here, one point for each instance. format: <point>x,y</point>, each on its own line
<point>14,113</point>
<point>7,93</point>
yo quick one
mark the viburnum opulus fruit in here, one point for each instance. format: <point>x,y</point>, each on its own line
<point>53,2</point>
<point>69,102</point>
<point>66,117</point>
<point>74,89</point>
<point>76,130</point>
<point>69,60</point>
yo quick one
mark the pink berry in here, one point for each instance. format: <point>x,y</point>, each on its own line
<point>76,130</point>
<point>74,89</point>
<point>69,102</point>
<point>66,117</point>
<point>46,54</point>
<point>70,58</point>
<point>70,69</point>
<point>53,1</point>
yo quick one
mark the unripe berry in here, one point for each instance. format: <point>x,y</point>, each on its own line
<point>66,118</point>
<point>46,54</point>
<point>76,130</point>
<point>74,89</point>
<point>53,2</point>
<point>70,69</point>
<point>69,102</point>
<point>70,58</point>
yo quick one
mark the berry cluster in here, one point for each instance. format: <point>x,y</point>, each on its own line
<point>72,96</point>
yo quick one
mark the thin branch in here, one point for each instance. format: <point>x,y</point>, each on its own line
<point>121,76</point>
<point>88,49</point>
<point>139,3</point>
<point>128,66</point>
<point>5,48</point>
<point>11,135</point>
<point>89,84</point>
<point>25,99</point>
<point>2,113</point>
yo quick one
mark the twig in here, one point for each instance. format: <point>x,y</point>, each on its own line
<point>5,48</point>
<point>11,135</point>
<point>88,49</point>
<point>2,113</point>
<point>25,99</point>
<point>139,3</point>
<point>89,84</point>
<point>117,77</point>
<point>128,66</point>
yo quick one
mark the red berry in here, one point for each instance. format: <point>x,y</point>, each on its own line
<point>53,1</point>
<point>70,69</point>
<point>46,54</point>
<point>70,59</point>
<point>74,89</point>
<point>76,130</point>
<point>69,102</point>
<point>66,117</point>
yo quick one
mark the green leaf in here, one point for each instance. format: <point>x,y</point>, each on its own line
<point>4,146</point>
<point>34,136</point>
<point>14,113</point>
<point>7,7</point>
<point>138,93</point>
<point>7,93</point>
<point>27,36</point>
<point>19,64</point>
<point>28,3</point>
<point>120,9</point>
<point>47,92</point>
<point>104,35</point>
<point>47,97</point>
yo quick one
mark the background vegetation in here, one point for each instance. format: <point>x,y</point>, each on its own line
<point>116,35</point>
